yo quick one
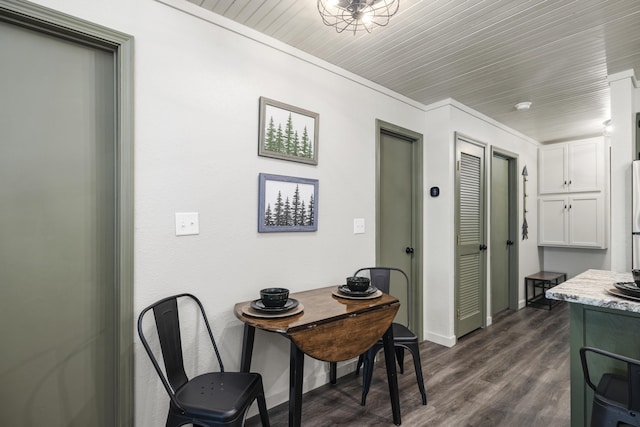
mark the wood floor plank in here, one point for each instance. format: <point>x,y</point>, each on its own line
<point>513,373</point>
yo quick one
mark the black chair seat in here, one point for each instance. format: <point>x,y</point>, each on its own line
<point>402,334</point>
<point>218,396</point>
<point>210,399</point>
<point>614,388</point>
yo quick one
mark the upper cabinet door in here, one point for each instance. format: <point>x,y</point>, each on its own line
<point>586,163</point>
<point>573,167</point>
<point>552,167</point>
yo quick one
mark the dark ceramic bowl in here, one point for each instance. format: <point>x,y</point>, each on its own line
<point>636,276</point>
<point>274,297</point>
<point>358,284</point>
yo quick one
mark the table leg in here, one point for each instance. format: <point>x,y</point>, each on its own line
<point>392,377</point>
<point>333,372</point>
<point>247,348</point>
<point>296,372</point>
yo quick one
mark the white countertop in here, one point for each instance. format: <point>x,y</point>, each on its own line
<point>590,288</point>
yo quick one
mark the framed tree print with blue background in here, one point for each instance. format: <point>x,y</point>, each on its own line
<point>287,203</point>
<point>288,132</point>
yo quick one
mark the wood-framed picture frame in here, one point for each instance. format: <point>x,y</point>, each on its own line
<point>288,132</point>
<point>287,203</point>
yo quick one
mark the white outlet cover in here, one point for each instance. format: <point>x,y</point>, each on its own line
<point>187,223</point>
<point>358,226</point>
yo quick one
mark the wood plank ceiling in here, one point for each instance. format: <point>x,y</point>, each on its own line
<point>486,54</point>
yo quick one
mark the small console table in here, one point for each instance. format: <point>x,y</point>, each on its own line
<point>540,282</point>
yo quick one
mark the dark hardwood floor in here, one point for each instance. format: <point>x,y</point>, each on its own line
<point>513,373</point>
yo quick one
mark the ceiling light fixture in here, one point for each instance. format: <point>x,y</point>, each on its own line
<point>523,106</point>
<point>357,15</point>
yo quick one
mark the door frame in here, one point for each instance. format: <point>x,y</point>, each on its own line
<point>417,288</point>
<point>514,231</point>
<point>63,26</point>
<point>483,288</point>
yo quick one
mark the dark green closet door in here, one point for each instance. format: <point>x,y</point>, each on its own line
<point>57,227</point>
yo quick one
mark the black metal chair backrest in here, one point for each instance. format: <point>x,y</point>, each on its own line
<point>167,321</point>
<point>632,374</point>
<point>381,279</point>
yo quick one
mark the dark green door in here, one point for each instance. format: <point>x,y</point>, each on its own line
<point>57,228</point>
<point>395,208</point>
<point>500,242</point>
<point>399,213</point>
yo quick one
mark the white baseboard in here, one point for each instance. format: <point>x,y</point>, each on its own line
<point>441,339</point>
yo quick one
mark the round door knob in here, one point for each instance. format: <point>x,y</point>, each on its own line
<point>409,250</point>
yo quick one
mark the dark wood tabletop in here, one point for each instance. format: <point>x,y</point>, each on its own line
<point>330,328</point>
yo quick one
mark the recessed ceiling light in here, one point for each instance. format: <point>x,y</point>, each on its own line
<point>523,106</point>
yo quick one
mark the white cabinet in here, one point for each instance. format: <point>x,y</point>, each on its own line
<point>572,194</point>
<point>571,167</point>
<point>576,220</point>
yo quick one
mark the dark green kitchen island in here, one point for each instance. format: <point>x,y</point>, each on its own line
<point>597,319</point>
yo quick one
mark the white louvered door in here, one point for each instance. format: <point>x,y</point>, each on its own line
<point>470,237</point>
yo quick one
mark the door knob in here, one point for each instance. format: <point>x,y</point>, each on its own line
<point>408,250</point>
<point>509,242</point>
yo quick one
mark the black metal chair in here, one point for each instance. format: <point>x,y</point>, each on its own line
<point>403,338</point>
<point>616,397</point>
<point>210,399</point>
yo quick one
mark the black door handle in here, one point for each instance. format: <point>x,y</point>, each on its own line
<point>509,242</point>
<point>408,250</point>
<point>483,247</point>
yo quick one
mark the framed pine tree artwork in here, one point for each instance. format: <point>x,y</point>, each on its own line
<point>287,203</point>
<point>288,132</point>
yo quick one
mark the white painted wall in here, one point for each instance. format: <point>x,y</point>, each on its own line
<point>574,261</point>
<point>623,88</point>
<point>197,81</point>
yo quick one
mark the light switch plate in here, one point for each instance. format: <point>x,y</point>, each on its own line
<point>187,223</point>
<point>358,225</point>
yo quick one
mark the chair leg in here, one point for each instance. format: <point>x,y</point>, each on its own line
<point>262,408</point>
<point>415,352</point>
<point>400,358</point>
<point>367,373</point>
<point>359,364</point>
